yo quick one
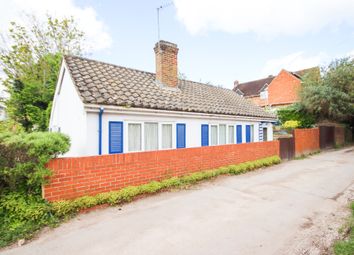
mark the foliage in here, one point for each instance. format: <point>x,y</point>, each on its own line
<point>332,96</point>
<point>21,215</point>
<point>291,124</point>
<point>346,247</point>
<point>69,207</point>
<point>296,112</point>
<point>23,158</point>
<point>30,58</point>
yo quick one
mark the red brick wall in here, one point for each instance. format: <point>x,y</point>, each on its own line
<point>258,101</point>
<point>75,177</point>
<point>306,140</point>
<point>283,89</point>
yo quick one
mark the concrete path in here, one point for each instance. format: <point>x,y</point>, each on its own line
<point>284,209</point>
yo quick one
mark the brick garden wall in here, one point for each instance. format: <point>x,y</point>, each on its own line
<point>306,140</point>
<point>75,177</point>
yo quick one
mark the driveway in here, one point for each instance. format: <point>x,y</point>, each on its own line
<point>292,208</point>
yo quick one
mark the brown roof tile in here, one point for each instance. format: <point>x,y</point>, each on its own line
<point>107,84</point>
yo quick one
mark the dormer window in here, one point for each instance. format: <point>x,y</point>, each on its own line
<point>264,94</point>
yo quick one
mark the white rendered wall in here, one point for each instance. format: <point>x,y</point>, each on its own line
<point>68,115</point>
<point>193,129</point>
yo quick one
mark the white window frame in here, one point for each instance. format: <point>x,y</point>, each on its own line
<point>225,125</point>
<point>126,137</point>
<point>217,134</point>
<point>264,95</point>
<point>158,134</point>
<point>227,134</point>
<point>173,135</point>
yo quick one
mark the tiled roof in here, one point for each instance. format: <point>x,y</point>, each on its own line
<point>253,88</point>
<point>107,84</point>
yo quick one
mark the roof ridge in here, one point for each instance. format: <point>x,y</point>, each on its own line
<point>269,77</point>
<point>106,63</point>
<point>134,69</point>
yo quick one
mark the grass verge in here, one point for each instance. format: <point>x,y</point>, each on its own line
<point>22,215</point>
<point>346,246</point>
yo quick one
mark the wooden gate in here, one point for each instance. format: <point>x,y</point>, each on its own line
<point>326,137</point>
<point>287,148</point>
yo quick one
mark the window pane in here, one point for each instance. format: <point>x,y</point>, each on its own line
<point>166,136</point>
<point>231,134</point>
<point>213,135</point>
<point>222,134</point>
<point>265,134</point>
<point>151,136</point>
<point>134,137</point>
<point>252,133</point>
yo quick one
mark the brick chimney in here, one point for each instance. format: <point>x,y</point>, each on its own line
<point>166,63</point>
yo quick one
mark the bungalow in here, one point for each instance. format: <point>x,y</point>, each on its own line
<point>274,91</point>
<point>106,108</point>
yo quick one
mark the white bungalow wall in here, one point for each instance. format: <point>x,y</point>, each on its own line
<point>68,115</point>
<point>193,129</point>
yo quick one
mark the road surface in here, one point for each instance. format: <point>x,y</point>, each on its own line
<point>292,208</point>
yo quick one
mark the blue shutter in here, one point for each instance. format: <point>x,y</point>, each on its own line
<point>248,133</point>
<point>115,137</point>
<point>239,133</point>
<point>205,135</point>
<point>181,135</point>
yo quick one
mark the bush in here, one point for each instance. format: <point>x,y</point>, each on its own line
<point>296,112</point>
<point>23,158</point>
<point>289,125</point>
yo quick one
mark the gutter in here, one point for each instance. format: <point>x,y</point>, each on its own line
<point>100,113</point>
<point>92,108</point>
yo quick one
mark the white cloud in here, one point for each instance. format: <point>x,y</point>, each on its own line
<point>266,18</point>
<point>293,62</point>
<point>86,18</point>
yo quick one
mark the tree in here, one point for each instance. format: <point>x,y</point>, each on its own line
<point>30,57</point>
<point>331,96</point>
<point>296,112</point>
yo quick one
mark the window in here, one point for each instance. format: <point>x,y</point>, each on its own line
<point>134,137</point>
<point>213,135</point>
<point>231,136</point>
<point>205,134</point>
<point>151,136</point>
<point>252,133</point>
<point>264,94</point>
<point>265,134</point>
<point>166,138</point>
<point>115,137</point>
<point>222,134</point>
<point>181,135</point>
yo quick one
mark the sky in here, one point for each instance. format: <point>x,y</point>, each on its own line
<point>219,41</point>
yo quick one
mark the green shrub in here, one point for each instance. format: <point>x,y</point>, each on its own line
<point>21,215</point>
<point>297,112</point>
<point>23,158</point>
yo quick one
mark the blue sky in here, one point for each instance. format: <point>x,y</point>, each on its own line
<point>219,41</point>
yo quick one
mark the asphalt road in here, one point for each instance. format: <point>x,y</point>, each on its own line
<point>264,212</point>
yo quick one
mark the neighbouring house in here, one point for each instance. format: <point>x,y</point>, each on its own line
<point>274,91</point>
<point>106,108</point>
